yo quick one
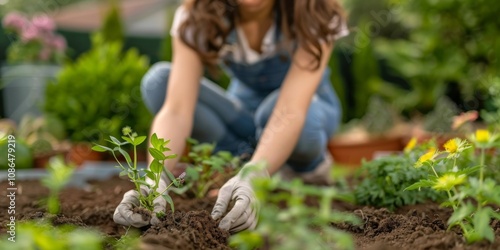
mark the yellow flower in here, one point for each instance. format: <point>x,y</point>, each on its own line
<point>429,156</point>
<point>451,146</point>
<point>482,135</point>
<point>448,181</point>
<point>410,145</point>
<point>455,146</point>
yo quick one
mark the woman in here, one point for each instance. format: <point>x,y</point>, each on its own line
<point>280,100</point>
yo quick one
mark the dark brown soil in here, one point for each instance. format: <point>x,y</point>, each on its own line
<point>191,230</point>
<point>419,227</point>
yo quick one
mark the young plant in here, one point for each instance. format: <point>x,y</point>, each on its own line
<point>383,181</point>
<point>287,222</point>
<point>149,177</point>
<point>44,236</point>
<point>470,194</point>
<point>58,175</point>
<point>206,168</point>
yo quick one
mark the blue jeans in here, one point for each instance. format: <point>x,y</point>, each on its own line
<point>235,119</point>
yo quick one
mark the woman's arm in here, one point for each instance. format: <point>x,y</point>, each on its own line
<point>287,120</point>
<point>174,121</point>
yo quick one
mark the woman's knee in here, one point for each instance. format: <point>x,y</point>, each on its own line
<point>319,125</point>
<point>154,85</point>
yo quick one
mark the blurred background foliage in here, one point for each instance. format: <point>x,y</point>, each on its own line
<point>409,52</point>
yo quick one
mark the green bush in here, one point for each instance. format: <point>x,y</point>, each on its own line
<point>100,93</point>
<point>385,181</point>
<point>449,42</point>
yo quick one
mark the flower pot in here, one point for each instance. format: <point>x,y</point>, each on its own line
<point>351,153</point>
<point>42,161</point>
<point>82,152</point>
<point>24,88</point>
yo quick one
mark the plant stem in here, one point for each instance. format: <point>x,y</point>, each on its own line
<point>453,204</point>
<point>135,177</point>
<point>159,194</point>
<point>434,170</point>
<point>481,170</point>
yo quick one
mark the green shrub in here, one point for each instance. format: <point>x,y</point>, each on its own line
<point>385,181</point>
<point>447,44</point>
<point>100,93</point>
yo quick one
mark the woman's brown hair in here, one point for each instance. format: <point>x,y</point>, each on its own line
<point>308,22</point>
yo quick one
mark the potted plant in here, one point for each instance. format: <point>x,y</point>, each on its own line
<point>45,136</point>
<point>378,131</point>
<point>97,95</point>
<point>33,58</point>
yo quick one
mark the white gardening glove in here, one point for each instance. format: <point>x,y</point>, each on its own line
<point>124,214</point>
<point>239,188</point>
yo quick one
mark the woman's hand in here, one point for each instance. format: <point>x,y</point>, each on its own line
<point>124,212</point>
<point>239,188</point>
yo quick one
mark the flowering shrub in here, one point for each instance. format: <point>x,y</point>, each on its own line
<point>473,196</point>
<point>36,40</point>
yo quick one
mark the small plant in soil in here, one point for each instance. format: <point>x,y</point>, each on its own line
<point>44,236</point>
<point>205,168</point>
<point>383,180</point>
<point>473,197</point>
<point>149,177</point>
<point>58,175</point>
<point>287,221</point>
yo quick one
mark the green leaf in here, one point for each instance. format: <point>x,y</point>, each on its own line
<point>100,148</point>
<point>172,156</point>
<point>150,174</point>
<point>180,190</point>
<point>115,141</point>
<point>156,166</point>
<point>170,201</point>
<point>420,184</point>
<point>138,140</point>
<point>128,139</point>
<point>460,214</point>
<point>192,173</point>
<point>125,154</point>
<point>170,175</point>
<point>155,142</point>
<point>157,154</point>
<point>482,224</point>
<point>142,182</point>
<point>469,171</point>
<point>123,173</point>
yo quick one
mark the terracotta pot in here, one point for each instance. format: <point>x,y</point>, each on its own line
<point>81,152</point>
<point>42,161</point>
<point>352,153</point>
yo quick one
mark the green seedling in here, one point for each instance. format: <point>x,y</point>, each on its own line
<point>470,195</point>
<point>287,222</point>
<point>58,175</point>
<point>44,236</point>
<point>206,168</point>
<point>383,180</point>
<point>150,177</point>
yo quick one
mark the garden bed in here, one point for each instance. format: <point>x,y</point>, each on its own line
<point>411,227</point>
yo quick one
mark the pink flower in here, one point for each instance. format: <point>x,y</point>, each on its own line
<point>15,21</point>
<point>29,33</point>
<point>45,54</point>
<point>43,23</point>
<point>59,43</point>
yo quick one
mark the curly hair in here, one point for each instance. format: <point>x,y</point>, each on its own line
<point>308,22</point>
